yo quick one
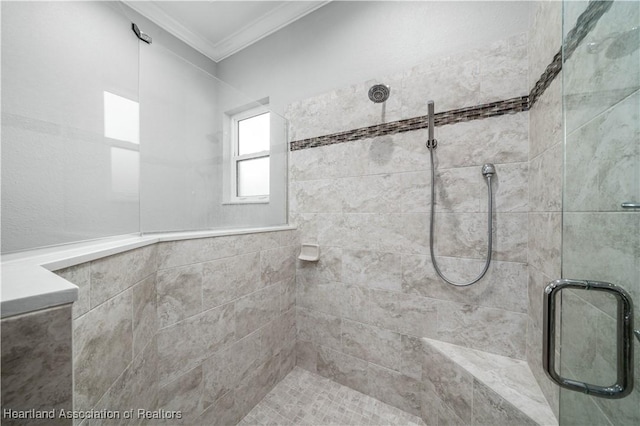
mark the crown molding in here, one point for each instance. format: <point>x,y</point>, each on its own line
<point>254,31</point>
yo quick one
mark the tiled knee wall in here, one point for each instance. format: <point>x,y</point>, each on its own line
<point>204,326</point>
<point>36,365</point>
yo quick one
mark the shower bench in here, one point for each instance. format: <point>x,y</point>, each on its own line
<point>480,388</point>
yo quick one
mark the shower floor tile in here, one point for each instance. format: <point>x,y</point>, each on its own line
<point>305,398</point>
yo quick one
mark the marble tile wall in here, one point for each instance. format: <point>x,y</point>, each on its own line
<point>205,327</point>
<point>362,307</point>
<point>545,183</point>
<point>36,365</point>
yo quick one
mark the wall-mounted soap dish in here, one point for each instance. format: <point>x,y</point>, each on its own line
<point>310,253</point>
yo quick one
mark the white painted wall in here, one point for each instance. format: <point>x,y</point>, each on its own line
<point>348,42</point>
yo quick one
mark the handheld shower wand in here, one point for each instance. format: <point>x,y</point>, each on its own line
<point>488,170</point>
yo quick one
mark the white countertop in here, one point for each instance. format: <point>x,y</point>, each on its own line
<point>29,285</point>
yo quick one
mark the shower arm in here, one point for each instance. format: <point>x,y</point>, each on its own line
<point>431,141</point>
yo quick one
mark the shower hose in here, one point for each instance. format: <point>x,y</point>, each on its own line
<point>432,226</point>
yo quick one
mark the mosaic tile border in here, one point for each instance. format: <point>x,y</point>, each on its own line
<point>493,109</point>
<point>584,24</point>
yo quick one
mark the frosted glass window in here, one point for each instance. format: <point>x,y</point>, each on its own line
<point>125,171</point>
<point>121,118</point>
<point>253,177</point>
<point>253,134</point>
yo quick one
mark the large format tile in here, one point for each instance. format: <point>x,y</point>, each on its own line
<point>183,346</point>
<point>546,126</point>
<point>449,381</point>
<point>79,275</point>
<point>372,269</point>
<point>497,140</point>
<point>598,78</point>
<point>319,328</point>
<point>183,394</point>
<point>256,309</point>
<point>545,242</point>
<point>602,159</point>
<point>545,180</point>
<point>136,388</point>
<point>503,286</point>
<point>37,362</point>
<point>465,235</point>
<point>102,349</point>
<point>488,329</point>
<point>226,368</point>
<point>490,409</point>
<point>114,274</point>
<point>226,279</point>
<point>179,294</point>
<point>145,318</point>
<point>373,344</point>
<point>326,270</point>
<point>278,264</point>
<point>344,369</point>
<point>322,297</point>
<point>403,313</point>
<point>395,388</point>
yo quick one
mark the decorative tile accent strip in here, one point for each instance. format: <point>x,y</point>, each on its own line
<point>493,109</point>
<point>584,24</point>
<point>547,77</point>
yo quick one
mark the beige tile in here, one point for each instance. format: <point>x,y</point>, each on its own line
<point>145,318</point>
<point>79,275</point>
<point>395,388</point>
<point>136,388</point>
<point>490,408</point>
<point>184,394</point>
<point>179,294</point>
<point>449,382</point>
<point>504,284</point>
<point>545,242</point>
<point>37,361</point>
<point>546,126</point>
<point>344,369</point>
<point>102,348</point>
<point>319,328</point>
<point>184,345</point>
<point>278,264</point>
<point>114,274</point>
<point>223,371</point>
<point>326,270</point>
<point>256,309</point>
<point>372,269</point>
<point>373,344</point>
<point>487,329</point>
<point>403,313</point>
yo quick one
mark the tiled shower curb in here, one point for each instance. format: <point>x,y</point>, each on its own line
<point>584,24</point>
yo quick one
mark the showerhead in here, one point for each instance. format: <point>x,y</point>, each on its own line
<point>488,170</point>
<point>379,93</point>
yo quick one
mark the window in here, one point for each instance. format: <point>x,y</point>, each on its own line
<point>250,150</point>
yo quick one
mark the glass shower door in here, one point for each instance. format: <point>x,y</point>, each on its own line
<point>600,223</point>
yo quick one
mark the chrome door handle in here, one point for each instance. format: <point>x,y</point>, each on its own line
<point>630,205</point>
<point>624,382</point>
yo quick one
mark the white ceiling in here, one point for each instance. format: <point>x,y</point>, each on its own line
<point>219,29</point>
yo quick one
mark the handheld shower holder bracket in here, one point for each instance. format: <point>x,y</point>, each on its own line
<point>432,143</point>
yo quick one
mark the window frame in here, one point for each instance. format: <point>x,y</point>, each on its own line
<point>233,148</point>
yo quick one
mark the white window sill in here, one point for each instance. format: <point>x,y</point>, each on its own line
<point>234,202</point>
